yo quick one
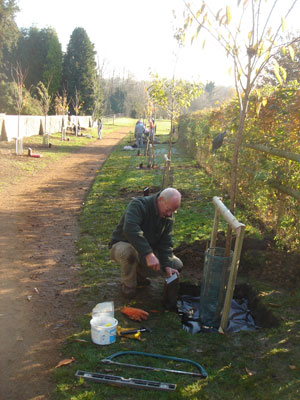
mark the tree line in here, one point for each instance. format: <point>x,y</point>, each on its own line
<point>73,79</point>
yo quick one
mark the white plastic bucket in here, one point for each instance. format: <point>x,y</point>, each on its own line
<point>103,330</point>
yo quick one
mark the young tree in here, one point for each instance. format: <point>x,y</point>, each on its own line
<point>251,44</point>
<point>77,104</point>
<point>18,77</point>
<point>98,109</point>
<point>45,99</point>
<point>173,96</point>
<point>79,69</point>
<point>61,104</point>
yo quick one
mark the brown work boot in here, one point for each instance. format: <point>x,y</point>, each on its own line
<point>127,292</point>
<point>142,281</point>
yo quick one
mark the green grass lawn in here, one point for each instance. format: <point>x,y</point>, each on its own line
<point>13,167</point>
<point>247,365</point>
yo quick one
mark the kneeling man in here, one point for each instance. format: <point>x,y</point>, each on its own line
<point>142,241</point>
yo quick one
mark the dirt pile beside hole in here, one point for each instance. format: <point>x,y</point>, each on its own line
<point>260,259</point>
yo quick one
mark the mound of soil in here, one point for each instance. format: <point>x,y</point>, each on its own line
<point>260,259</point>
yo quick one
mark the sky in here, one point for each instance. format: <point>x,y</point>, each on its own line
<point>133,36</point>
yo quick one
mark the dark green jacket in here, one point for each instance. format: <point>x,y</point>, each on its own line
<point>141,226</point>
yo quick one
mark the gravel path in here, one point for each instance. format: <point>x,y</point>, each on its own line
<point>38,274</point>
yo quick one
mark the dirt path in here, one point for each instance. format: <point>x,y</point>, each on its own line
<point>38,274</point>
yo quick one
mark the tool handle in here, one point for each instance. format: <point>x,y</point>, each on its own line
<point>131,331</point>
<point>140,353</point>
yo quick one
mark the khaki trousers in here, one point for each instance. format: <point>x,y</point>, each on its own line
<point>131,264</point>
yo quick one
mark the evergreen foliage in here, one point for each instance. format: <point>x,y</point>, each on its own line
<point>31,105</point>
<point>8,27</point>
<point>6,97</point>
<point>117,100</point>
<point>52,73</point>
<point>79,70</point>
<point>40,52</point>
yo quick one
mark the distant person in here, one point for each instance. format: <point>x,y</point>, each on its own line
<point>78,128</point>
<point>139,130</point>
<point>100,126</point>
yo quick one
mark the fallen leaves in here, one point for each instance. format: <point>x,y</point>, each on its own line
<point>81,341</point>
<point>292,367</point>
<point>64,362</point>
<point>273,305</point>
<point>249,372</point>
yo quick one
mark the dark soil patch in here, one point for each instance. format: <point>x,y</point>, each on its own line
<point>128,193</point>
<point>190,194</point>
<point>261,314</point>
<point>260,259</point>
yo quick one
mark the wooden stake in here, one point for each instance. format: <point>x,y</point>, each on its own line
<point>239,229</point>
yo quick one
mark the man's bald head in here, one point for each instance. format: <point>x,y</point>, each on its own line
<point>168,202</point>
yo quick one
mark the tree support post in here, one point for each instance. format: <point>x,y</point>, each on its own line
<point>46,139</point>
<point>165,181</point>
<point>19,146</point>
<point>239,228</point>
<point>63,134</point>
<point>151,158</point>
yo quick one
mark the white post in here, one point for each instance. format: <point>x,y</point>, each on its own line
<point>46,139</point>
<point>19,146</point>
<point>63,134</point>
<point>19,140</point>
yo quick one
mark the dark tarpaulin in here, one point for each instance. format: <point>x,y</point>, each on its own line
<point>240,318</point>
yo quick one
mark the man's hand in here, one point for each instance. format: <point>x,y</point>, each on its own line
<point>171,271</point>
<point>152,262</point>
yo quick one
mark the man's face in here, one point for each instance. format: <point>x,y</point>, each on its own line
<point>167,207</point>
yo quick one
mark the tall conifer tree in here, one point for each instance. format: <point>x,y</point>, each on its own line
<point>39,51</point>
<point>8,27</point>
<point>79,70</point>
